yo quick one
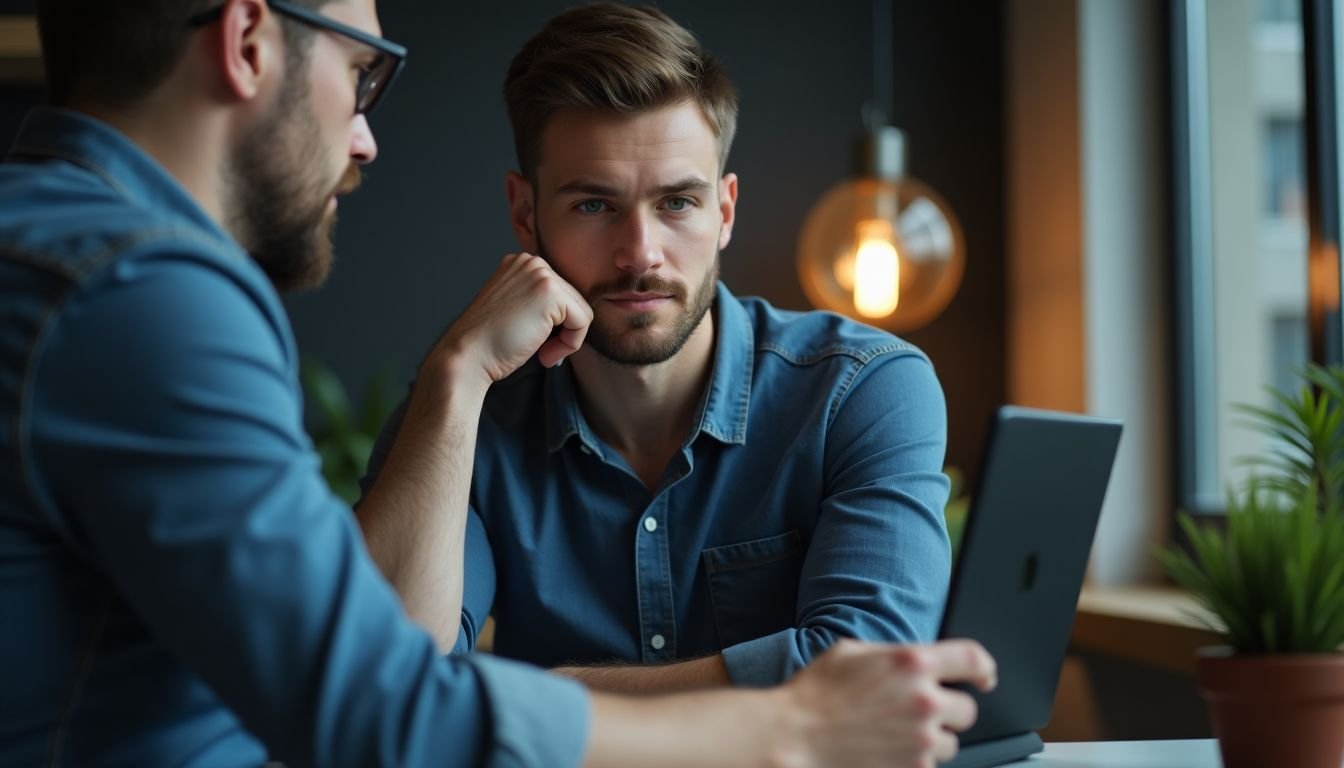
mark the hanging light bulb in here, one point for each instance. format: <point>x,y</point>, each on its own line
<point>881,247</point>
<point>876,269</point>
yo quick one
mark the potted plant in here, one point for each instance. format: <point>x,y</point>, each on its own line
<point>1274,579</point>
<point>342,437</point>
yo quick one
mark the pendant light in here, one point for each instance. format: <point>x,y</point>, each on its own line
<point>881,247</point>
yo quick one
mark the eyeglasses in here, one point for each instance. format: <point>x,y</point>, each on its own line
<point>374,79</point>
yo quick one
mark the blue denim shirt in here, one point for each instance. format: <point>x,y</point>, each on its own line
<point>182,587</point>
<point>806,505</point>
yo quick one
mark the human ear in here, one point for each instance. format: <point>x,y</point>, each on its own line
<point>522,210</point>
<point>727,207</point>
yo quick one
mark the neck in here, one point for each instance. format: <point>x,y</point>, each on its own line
<point>190,144</point>
<point>646,412</point>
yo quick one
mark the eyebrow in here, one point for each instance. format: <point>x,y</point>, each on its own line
<point>585,187</point>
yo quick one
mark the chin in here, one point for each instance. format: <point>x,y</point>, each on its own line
<point>306,275</point>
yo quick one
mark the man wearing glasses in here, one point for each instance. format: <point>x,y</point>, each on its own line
<point>187,590</point>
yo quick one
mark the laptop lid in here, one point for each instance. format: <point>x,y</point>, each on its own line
<point>1020,568</point>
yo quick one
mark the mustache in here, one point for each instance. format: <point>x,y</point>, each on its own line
<point>639,284</point>
<point>350,180</point>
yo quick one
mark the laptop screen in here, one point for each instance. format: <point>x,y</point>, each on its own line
<point>1023,557</point>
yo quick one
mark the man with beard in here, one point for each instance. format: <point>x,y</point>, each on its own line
<point>189,591</point>
<point>713,491</point>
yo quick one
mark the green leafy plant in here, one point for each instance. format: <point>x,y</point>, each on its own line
<point>1309,429</point>
<point>343,437</point>
<point>1274,576</point>
<point>957,507</point>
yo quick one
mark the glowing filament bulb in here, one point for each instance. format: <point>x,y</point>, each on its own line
<point>844,271</point>
<point>877,270</point>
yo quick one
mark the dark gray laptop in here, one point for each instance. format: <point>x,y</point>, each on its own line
<point>1023,555</point>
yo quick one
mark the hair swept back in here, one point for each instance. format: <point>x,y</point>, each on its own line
<point>613,58</point>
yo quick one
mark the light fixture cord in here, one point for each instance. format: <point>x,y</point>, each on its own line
<point>879,111</point>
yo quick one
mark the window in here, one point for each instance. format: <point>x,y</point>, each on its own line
<point>1284,186</point>
<point>1280,10</point>
<point>1244,290</point>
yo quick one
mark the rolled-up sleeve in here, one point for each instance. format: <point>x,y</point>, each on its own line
<point>478,584</point>
<point>550,730</point>
<point>189,482</point>
<point>878,564</point>
<point>478,569</point>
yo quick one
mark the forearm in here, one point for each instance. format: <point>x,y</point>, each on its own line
<point>414,516</point>
<point>859,705</point>
<point>741,729</point>
<point>708,672</point>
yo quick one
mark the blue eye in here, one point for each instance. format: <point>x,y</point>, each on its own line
<point>678,204</point>
<point>591,206</point>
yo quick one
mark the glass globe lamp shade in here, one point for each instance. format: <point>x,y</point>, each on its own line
<point>886,251</point>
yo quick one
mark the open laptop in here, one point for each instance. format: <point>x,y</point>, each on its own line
<point>1023,555</point>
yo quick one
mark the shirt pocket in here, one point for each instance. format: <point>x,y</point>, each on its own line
<point>753,586</point>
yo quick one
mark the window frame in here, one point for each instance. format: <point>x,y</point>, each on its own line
<point>1192,247</point>
<point>1323,29</point>
<point>1195,417</point>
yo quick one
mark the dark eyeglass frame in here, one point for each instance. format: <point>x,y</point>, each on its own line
<point>373,80</point>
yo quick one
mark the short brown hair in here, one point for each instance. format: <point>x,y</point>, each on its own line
<point>115,52</point>
<point>613,58</point>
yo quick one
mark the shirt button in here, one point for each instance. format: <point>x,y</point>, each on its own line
<point>657,642</point>
<point>650,524</point>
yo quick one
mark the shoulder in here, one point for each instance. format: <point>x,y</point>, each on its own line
<point>148,329</point>
<point>58,218</point>
<point>805,338</point>
<point>124,264</point>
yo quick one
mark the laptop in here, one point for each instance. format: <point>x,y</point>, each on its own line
<point>1023,555</point>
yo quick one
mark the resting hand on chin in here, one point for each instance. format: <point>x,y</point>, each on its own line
<point>524,309</point>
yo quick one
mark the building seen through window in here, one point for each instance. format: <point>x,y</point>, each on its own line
<point>1255,316</point>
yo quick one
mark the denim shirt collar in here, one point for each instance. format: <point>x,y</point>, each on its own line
<point>723,408</point>
<point>563,417</point>
<point>95,146</point>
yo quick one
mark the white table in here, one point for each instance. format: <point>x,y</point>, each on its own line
<point>1183,753</point>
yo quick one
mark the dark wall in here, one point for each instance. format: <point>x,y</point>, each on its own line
<point>15,100</point>
<point>430,223</point>
<point>949,100</point>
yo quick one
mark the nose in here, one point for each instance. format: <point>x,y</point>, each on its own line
<point>363,147</point>
<point>639,250</point>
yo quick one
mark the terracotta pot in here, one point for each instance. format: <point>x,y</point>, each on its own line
<point>1275,710</point>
